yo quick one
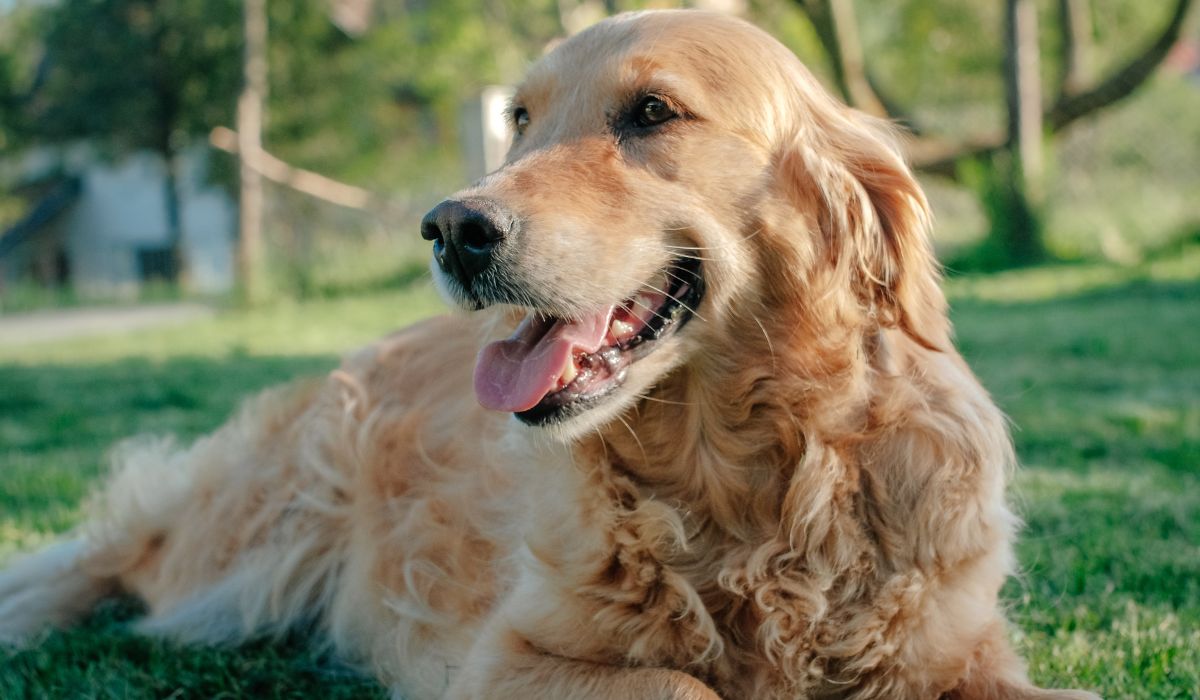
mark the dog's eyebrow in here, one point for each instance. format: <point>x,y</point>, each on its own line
<point>529,94</point>
<point>659,82</point>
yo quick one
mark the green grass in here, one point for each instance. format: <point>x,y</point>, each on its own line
<point>1099,367</point>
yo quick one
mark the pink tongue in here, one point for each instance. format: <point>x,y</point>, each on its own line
<point>514,375</point>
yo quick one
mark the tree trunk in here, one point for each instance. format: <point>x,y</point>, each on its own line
<point>168,104</point>
<point>854,69</point>
<point>249,131</point>
<point>1021,232</point>
<point>178,270</point>
<point>837,29</point>
<point>1075,18</point>
<point>1005,166</point>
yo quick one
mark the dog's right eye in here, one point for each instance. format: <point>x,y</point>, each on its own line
<point>520,117</point>
<point>652,111</point>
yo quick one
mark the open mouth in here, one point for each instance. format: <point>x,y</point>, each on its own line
<point>551,368</point>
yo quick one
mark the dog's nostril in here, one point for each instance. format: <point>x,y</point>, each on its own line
<point>477,236</point>
<point>430,231</point>
<point>465,235</point>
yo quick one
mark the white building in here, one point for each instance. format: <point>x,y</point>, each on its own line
<point>101,227</point>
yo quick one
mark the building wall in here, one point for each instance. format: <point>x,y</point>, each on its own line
<point>122,209</point>
<point>484,133</point>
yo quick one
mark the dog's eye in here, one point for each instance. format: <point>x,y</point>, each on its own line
<point>520,117</point>
<point>652,111</point>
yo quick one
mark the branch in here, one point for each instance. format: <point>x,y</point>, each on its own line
<point>837,30</point>
<point>301,180</point>
<point>941,157</point>
<point>1124,80</point>
<point>1075,35</point>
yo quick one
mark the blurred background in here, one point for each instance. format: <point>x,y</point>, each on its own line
<point>202,198</point>
<point>131,130</point>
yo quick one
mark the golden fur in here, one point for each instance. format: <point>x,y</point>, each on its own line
<point>799,495</point>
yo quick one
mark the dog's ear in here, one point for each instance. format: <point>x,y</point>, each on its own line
<point>844,170</point>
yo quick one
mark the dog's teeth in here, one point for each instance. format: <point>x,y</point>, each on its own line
<point>643,306</point>
<point>569,371</point>
<point>621,329</point>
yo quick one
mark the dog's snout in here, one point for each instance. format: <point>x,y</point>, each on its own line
<point>466,234</point>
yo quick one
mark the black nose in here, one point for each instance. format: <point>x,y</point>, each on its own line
<point>466,234</point>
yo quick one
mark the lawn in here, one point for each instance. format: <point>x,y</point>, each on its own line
<point>1098,366</point>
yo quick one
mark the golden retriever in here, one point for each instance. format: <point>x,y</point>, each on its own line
<point>705,436</point>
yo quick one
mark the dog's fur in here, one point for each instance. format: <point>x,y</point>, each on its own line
<point>798,495</point>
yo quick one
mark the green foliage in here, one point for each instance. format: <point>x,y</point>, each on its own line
<point>136,73</point>
<point>941,57</point>
<point>8,101</point>
<point>788,24</point>
<point>1126,181</point>
<point>931,58</point>
<point>381,109</point>
<point>19,60</point>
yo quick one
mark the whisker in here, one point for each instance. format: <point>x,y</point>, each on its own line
<point>713,247</point>
<point>770,345</point>
<point>693,257</point>
<point>635,301</point>
<point>676,300</point>
<point>603,445</point>
<point>636,439</point>
<point>648,397</point>
<point>681,279</point>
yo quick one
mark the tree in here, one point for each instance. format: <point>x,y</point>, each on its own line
<point>1003,164</point>
<point>22,72</point>
<point>249,137</point>
<point>139,74</point>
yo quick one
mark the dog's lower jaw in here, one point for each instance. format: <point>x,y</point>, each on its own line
<point>612,412</point>
<point>555,370</point>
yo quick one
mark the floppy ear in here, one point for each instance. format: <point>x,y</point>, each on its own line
<point>872,216</point>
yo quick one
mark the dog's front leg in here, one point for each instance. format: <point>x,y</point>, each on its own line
<point>506,665</point>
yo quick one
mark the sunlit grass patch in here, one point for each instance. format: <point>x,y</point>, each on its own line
<point>1143,652</point>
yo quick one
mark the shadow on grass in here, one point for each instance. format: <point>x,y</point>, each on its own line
<point>104,658</point>
<point>59,404</point>
<point>1105,377</point>
<point>57,422</point>
<point>989,256</point>
<point>1101,387</point>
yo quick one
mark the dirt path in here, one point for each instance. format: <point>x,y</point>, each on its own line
<point>41,326</point>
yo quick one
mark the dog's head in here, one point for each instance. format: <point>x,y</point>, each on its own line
<point>673,175</point>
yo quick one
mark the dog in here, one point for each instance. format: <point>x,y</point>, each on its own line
<point>705,434</point>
